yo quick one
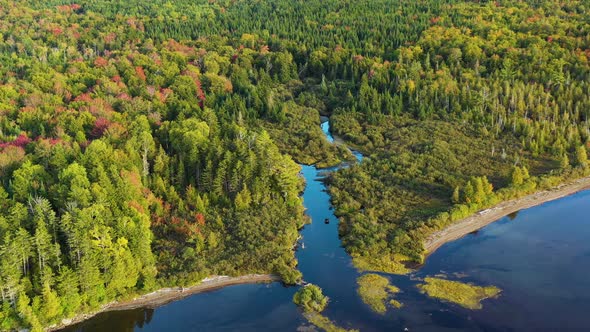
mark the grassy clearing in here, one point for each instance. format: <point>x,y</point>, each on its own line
<point>465,295</point>
<point>374,291</point>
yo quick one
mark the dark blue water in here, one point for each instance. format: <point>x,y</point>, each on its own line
<point>540,258</point>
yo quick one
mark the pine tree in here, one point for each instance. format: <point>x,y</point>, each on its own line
<point>456,196</point>
<point>581,157</point>
<point>469,193</point>
<point>479,190</point>
<point>243,199</point>
<point>51,303</point>
<point>564,162</point>
<point>517,178</point>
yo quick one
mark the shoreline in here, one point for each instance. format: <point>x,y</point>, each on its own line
<point>167,295</point>
<point>485,217</point>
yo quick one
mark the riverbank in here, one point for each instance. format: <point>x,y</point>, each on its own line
<point>488,216</point>
<point>170,294</point>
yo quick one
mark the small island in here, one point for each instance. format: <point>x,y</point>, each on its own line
<point>311,299</point>
<point>466,295</point>
<point>374,291</point>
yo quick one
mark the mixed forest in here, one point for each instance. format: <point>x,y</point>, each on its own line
<point>154,143</point>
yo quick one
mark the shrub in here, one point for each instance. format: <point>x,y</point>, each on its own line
<point>310,298</point>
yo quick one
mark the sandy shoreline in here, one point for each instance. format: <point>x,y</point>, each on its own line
<point>167,295</point>
<point>488,216</point>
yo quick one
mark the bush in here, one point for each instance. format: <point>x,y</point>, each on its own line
<point>289,276</point>
<point>310,298</point>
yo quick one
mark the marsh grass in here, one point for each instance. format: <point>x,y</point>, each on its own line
<point>374,291</point>
<point>463,294</point>
<point>324,323</point>
<point>396,304</point>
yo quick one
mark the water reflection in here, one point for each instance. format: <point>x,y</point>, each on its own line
<point>124,321</point>
<point>513,215</point>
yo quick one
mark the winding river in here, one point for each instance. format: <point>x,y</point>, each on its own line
<point>539,257</point>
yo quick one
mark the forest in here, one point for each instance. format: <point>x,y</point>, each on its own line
<point>150,144</point>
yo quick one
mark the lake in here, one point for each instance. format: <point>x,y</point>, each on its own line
<point>539,257</point>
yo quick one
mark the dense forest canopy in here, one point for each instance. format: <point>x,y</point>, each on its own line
<point>154,143</point>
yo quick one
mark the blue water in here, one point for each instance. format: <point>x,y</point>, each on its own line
<point>326,129</point>
<point>540,258</point>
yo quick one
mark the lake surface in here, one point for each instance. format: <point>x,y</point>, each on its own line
<point>539,257</point>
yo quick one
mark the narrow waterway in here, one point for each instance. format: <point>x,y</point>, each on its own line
<point>540,258</point>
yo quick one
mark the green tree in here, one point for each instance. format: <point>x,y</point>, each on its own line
<point>74,185</point>
<point>243,199</point>
<point>564,162</point>
<point>311,298</point>
<point>25,310</point>
<point>51,308</point>
<point>456,198</point>
<point>28,180</point>
<point>189,137</point>
<point>581,157</point>
<point>469,193</point>
<point>68,291</point>
<point>517,178</point>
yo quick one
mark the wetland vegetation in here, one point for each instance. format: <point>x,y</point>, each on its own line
<point>374,290</point>
<point>464,294</point>
<point>146,145</point>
